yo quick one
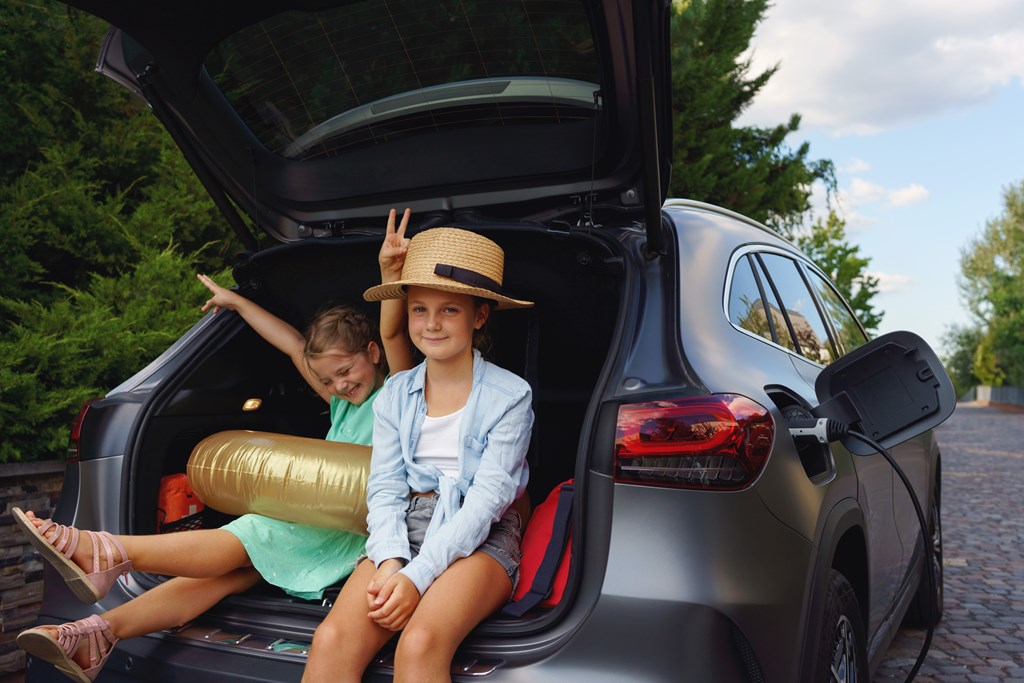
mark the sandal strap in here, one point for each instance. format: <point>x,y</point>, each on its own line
<point>64,538</point>
<point>110,543</point>
<point>92,628</point>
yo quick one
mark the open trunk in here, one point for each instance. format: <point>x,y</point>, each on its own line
<point>559,346</point>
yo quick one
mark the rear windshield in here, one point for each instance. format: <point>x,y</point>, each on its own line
<point>313,84</point>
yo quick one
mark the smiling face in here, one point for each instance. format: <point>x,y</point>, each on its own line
<point>441,324</point>
<point>350,376</point>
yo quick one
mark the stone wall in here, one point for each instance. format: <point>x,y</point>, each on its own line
<point>29,486</point>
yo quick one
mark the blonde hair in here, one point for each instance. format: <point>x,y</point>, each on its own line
<point>341,327</point>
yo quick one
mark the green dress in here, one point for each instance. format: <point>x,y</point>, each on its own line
<point>301,559</point>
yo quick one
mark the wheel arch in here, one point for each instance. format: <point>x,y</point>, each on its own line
<point>841,546</point>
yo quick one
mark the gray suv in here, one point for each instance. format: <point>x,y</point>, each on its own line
<point>671,346</point>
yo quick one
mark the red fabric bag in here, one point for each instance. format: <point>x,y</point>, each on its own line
<point>536,540</point>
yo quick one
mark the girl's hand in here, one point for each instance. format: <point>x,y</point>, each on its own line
<point>385,571</point>
<point>398,599</point>
<point>392,251</point>
<point>222,298</point>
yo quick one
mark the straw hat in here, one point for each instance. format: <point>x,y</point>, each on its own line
<point>452,260</point>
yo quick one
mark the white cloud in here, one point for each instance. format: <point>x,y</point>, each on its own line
<point>855,165</point>
<point>894,283</point>
<point>912,194</point>
<point>868,66</point>
<point>861,192</point>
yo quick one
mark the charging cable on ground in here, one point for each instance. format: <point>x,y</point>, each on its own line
<point>825,431</point>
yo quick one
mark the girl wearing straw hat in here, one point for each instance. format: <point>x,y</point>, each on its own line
<point>449,459</point>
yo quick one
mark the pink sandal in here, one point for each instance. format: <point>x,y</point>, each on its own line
<point>58,548</point>
<point>57,645</point>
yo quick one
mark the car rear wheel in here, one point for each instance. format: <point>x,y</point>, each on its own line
<point>920,613</point>
<point>842,644</point>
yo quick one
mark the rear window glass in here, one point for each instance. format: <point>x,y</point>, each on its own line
<point>800,308</point>
<point>749,305</point>
<point>849,333</point>
<point>313,84</point>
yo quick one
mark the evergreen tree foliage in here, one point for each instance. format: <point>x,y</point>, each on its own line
<point>79,158</point>
<point>749,170</point>
<point>92,190</point>
<point>85,342</point>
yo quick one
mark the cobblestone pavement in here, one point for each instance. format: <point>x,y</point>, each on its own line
<point>981,636</point>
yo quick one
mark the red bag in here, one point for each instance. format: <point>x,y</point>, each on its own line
<point>547,536</point>
<point>176,500</point>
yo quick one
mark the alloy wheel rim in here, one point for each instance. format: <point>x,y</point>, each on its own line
<point>937,553</point>
<point>844,653</point>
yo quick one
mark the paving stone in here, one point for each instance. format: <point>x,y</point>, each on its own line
<point>981,636</point>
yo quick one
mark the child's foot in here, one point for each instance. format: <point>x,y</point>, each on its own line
<point>58,544</point>
<point>78,649</point>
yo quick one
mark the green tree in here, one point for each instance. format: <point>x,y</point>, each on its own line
<point>92,192</point>
<point>79,157</point>
<point>960,343</point>
<point>992,287</point>
<point>750,170</point>
<point>86,341</point>
<point>826,243</point>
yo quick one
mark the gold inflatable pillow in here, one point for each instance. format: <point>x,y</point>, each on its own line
<point>292,478</point>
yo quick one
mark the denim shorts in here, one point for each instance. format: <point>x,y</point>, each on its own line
<point>502,543</point>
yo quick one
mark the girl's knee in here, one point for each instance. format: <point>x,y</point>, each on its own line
<point>328,636</point>
<point>422,643</point>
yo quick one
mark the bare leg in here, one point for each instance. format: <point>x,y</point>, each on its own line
<point>169,604</point>
<point>197,554</point>
<point>176,601</point>
<point>345,643</point>
<point>466,593</point>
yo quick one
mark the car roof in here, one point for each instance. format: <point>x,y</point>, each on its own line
<point>308,114</point>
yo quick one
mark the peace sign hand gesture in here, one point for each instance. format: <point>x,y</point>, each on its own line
<point>394,247</point>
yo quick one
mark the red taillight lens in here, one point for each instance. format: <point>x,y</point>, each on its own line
<point>718,442</point>
<point>74,453</point>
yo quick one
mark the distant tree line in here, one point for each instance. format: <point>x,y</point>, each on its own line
<point>990,348</point>
<point>103,224</point>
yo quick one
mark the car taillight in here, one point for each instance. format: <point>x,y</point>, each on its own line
<point>717,442</point>
<point>74,453</point>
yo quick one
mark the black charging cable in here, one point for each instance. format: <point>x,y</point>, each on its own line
<point>825,431</point>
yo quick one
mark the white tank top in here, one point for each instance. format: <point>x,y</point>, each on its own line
<point>438,444</point>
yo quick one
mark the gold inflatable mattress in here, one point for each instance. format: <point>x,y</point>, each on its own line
<point>292,478</point>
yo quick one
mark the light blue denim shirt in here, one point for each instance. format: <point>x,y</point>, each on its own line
<point>494,436</point>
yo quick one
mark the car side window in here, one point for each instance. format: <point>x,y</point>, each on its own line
<point>750,300</point>
<point>848,332</point>
<point>812,335</point>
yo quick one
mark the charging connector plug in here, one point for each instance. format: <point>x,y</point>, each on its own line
<point>822,429</point>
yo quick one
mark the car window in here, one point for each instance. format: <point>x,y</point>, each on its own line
<point>749,301</point>
<point>310,84</point>
<point>849,334</point>
<point>800,308</point>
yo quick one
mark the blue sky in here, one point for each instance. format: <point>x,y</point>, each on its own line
<point>920,104</point>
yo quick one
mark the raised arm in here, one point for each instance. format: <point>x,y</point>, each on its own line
<point>393,315</point>
<point>277,332</point>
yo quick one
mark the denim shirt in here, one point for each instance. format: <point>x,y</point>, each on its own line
<point>493,439</point>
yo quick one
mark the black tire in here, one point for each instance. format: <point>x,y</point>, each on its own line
<point>919,614</point>
<point>842,655</point>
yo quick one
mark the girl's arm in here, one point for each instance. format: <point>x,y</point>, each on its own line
<point>277,332</point>
<point>393,328</point>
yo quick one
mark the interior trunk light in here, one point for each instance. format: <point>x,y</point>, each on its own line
<point>716,442</point>
<point>252,404</point>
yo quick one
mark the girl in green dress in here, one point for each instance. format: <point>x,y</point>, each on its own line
<point>341,359</point>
